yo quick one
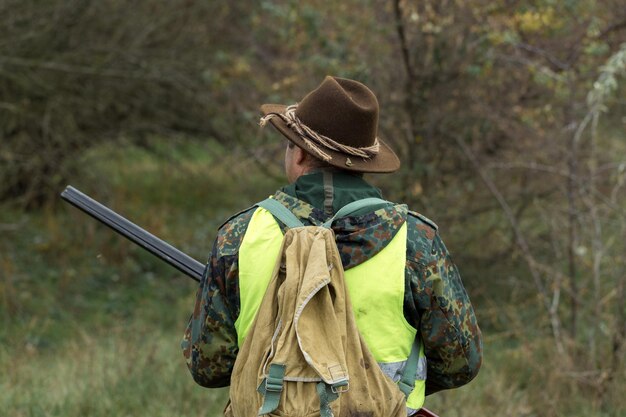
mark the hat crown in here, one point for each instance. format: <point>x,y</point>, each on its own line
<point>337,123</point>
<point>343,110</point>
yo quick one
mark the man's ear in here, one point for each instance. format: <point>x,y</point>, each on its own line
<point>300,156</point>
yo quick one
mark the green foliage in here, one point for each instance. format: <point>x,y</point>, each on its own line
<point>79,73</point>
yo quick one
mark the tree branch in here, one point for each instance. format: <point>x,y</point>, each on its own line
<point>533,266</point>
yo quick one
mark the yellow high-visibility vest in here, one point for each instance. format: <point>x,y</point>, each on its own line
<point>376,289</point>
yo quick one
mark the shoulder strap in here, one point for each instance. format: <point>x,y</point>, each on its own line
<point>281,212</point>
<point>352,207</point>
<point>285,215</point>
<point>407,380</point>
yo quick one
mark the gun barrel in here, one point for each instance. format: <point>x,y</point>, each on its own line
<point>163,250</point>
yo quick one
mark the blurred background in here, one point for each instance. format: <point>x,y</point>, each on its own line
<point>509,117</point>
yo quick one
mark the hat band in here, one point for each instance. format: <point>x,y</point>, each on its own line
<point>315,141</point>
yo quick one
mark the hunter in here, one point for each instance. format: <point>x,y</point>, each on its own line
<point>400,277</point>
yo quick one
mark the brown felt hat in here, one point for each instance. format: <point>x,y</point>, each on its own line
<point>346,112</point>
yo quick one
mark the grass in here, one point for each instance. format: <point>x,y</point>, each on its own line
<point>91,325</point>
<point>129,371</point>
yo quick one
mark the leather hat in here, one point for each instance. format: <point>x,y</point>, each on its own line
<point>338,123</point>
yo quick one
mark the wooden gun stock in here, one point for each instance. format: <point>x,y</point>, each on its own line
<point>424,412</point>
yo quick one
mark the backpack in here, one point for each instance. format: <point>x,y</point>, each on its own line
<point>303,355</point>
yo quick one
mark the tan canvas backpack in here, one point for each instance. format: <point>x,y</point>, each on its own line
<point>303,355</point>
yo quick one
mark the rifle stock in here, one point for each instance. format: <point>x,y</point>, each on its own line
<point>424,412</point>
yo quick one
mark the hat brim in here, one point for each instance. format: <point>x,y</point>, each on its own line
<point>385,161</point>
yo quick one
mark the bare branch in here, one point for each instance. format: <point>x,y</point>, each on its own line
<point>406,58</point>
<point>563,66</point>
<point>550,305</point>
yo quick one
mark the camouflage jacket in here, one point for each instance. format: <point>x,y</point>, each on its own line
<point>435,300</point>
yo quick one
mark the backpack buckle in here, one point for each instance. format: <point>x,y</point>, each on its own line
<point>275,378</point>
<point>340,387</point>
<point>273,385</point>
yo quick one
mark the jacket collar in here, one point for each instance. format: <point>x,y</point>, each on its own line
<point>344,188</point>
<point>358,237</point>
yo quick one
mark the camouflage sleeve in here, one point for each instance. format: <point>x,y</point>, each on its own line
<point>447,324</point>
<point>210,340</point>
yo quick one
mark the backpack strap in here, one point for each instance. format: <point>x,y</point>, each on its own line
<point>281,212</point>
<point>289,219</point>
<point>353,207</point>
<point>407,381</point>
<point>271,387</point>
<point>329,393</point>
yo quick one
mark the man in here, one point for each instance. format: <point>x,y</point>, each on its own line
<point>332,141</point>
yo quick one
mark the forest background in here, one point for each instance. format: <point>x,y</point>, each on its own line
<point>508,116</point>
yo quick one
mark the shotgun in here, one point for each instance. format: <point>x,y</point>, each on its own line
<point>162,250</point>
